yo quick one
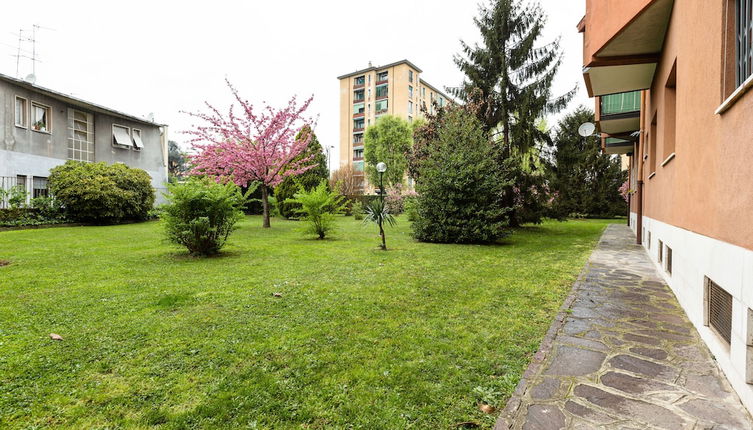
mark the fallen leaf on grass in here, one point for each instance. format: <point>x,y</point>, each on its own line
<point>277,294</point>
<point>487,409</point>
<point>54,336</point>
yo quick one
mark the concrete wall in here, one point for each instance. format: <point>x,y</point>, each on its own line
<point>24,151</point>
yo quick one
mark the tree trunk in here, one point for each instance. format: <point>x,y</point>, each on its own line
<point>265,204</point>
<point>381,233</point>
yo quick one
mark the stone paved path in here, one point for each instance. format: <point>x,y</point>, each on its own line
<point>624,356</point>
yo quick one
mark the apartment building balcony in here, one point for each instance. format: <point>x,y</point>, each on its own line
<point>357,130</point>
<point>622,42</point>
<point>359,115</point>
<point>357,158</point>
<point>613,145</point>
<point>618,114</point>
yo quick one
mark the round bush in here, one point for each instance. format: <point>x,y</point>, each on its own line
<point>100,193</point>
<point>201,214</point>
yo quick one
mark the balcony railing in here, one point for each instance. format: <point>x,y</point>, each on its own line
<point>622,103</point>
<point>357,130</point>
<point>358,115</point>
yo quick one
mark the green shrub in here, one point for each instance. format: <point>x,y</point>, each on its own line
<point>410,208</point>
<point>460,185</point>
<point>48,208</point>
<point>356,209</point>
<point>318,208</point>
<point>17,197</point>
<point>201,214</point>
<point>101,193</point>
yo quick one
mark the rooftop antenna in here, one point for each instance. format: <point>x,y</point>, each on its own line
<point>18,53</point>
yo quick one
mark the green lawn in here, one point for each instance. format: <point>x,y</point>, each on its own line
<point>360,338</point>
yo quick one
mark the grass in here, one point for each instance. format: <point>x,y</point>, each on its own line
<point>413,337</point>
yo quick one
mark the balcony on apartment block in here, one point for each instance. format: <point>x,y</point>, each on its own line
<point>613,145</point>
<point>619,114</point>
<point>622,43</point>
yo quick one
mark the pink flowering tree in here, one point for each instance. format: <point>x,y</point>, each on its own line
<point>247,146</point>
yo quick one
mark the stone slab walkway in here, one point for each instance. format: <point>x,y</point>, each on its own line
<point>623,355</point>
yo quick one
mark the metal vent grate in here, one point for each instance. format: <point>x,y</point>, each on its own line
<point>720,310</point>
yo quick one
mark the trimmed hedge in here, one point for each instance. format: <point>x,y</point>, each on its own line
<point>100,193</point>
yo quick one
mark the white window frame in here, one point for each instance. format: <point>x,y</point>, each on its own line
<point>25,122</point>
<point>90,145</point>
<point>128,132</point>
<point>141,139</point>
<point>48,125</point>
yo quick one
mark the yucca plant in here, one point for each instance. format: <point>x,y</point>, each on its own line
<point>376,212</point>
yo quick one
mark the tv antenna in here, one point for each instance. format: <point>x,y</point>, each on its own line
<point>20,52</point>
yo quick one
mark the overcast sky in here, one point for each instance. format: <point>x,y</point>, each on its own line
<point>164,57</point>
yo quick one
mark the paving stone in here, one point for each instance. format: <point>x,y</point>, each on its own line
<point>708,385</point>
<point>588,413</point>
<point>715,414</point>
<point>631,384</point>
<point>544,417</point>
<point>635,409</point>
<point>546,389</point>
<point>582,342</point>
<point>656,354</point>
<point>634,358</point>
<point>571,361</point>
<point>641,339</point>
<point>644,367</point>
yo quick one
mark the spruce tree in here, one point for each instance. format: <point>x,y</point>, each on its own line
<point>584,181</point>
<point>510,75</point>
<point>308,179</point>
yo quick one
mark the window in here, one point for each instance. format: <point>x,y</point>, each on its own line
<point>381,106</point>
<point>649,240</point>
<point>381,91</point>
<point>21,182</point>
<point>359,81</point>
<point>359,108</point>
<point>410,76</point>
<point>668,260</point>
<point>744,40</point>
<point>357,153</point>
<point>441,101</point>
<point>670,113</point>
<point>358,138</point>
<point>718,310</point>
<point>40,118</point>
<point>410,107</point>
<point>358,166</point>
<point>358,124</point>
<point>381,76</point>
<point>80,136</point>
<point>423,92</point>
<point>358,95</point>
<point>39,187</point>
<point>21,112</point>
<point>410,91</point>
<point>121,136</point>
<point>137,142</point>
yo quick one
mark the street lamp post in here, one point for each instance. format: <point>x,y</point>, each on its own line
<point>381,168</point>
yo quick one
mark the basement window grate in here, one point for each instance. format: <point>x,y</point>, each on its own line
<point>668,261</point>
<point>661,249</point>
<point>719,310</point>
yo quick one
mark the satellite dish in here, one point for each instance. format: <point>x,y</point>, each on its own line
<point>30,78</point>
<point>586,129</point>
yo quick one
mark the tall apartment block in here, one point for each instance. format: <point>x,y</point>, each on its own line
<point>673,81</point>
<point>365,95</point>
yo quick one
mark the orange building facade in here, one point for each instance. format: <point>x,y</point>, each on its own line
<point>673,84</point>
